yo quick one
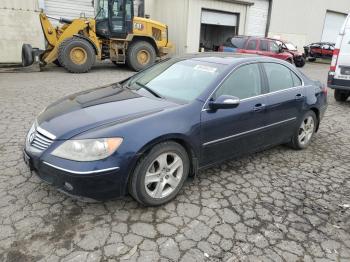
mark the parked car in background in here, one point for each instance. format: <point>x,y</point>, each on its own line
<point>145,135</point>
<point>298,57</point>
<point>339,73</point>
<point>319,50</point>
<point>256,46</point>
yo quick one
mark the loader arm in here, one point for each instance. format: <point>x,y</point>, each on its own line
<point>87,26</point>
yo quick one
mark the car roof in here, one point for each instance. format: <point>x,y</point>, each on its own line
<point>226,58</point>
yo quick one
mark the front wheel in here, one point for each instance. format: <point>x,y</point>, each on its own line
<point>300,63</point>
<point>27,55</point>
<point>76,55</point>
<point>341,96</point>
<point>305,131</point>
<point>159,176</point>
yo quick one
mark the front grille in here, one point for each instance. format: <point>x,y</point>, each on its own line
<point>40,141</point>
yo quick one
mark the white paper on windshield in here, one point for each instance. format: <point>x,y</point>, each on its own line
<point>207,69</point>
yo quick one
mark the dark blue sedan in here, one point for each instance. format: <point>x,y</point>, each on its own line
<point>145,135</point>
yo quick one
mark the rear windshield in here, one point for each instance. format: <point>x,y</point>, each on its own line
<point>236,42</point>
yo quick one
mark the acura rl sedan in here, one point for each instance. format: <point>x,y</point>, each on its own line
<point>145,135</point>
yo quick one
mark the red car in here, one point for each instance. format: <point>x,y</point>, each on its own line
<point>298,57</point>
<point>257,46</point>
<point>319,50</point>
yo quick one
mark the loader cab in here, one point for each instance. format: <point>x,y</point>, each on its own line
<point>114,18</point>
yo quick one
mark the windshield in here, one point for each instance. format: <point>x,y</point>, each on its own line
<point>291,47</point>
<point>102,10</point>
<point>179,80</point>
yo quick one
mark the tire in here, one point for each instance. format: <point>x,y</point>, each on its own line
<point>147,193</point>
<point>27,55</point>
<point>300,63</point>
<point>341,96</point>
<point>56,62</point>
<point>76,55</point>
<point>142,50</point>
<point>298,143</point>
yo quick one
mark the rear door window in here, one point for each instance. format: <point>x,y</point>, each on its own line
<point>264,45</point>
<point>280,77</point>
<point>252,44</point>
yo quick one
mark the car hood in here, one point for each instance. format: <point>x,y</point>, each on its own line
<point>295,52</point>
<point>83,111</point>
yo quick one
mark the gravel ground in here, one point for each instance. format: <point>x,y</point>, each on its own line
<point>277,205</point>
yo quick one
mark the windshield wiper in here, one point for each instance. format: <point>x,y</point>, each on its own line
<point>149,90</point>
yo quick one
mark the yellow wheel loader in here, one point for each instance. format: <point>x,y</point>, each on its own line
<point>115,34</point>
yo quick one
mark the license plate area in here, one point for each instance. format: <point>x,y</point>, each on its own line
<point>345,71</point>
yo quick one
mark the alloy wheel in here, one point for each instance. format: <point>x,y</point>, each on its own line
<point>164,175</point>
<point>306,130</point>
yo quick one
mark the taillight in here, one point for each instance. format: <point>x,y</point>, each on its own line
<point>221,48</point>
<point>335,60</point>
<point>325,90</point>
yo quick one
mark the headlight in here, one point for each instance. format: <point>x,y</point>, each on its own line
<point>88,149</point>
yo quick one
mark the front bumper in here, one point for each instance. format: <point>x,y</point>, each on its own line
<point>97,185</point>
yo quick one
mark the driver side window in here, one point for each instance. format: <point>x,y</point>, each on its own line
<point>274,47</point>
<point>245,82</point>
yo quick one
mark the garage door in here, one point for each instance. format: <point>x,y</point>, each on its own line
<point>257,18</point>
<point>68,8</point>
<point>332,25</point>
<point>218,18</point>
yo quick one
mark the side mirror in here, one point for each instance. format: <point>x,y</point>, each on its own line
<point>224,102</point>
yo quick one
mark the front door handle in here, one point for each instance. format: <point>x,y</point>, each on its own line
<point>259,107</point>
<point>299,97</point>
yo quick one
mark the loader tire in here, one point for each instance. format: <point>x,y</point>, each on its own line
<point>56,62</point>
<point>140,55</point>
<point>27,55</point>
<point>76,55</point>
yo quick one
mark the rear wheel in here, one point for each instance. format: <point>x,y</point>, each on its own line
<point>159,176</point>
<point>141,55</point>
<point>305,131</point>
<point>341,96</point>
<point>76,55</point>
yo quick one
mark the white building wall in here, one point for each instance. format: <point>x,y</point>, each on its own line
<point>257,18</point>
<point>175,15</point>
<point>302,21</point>
<point>19,24</point>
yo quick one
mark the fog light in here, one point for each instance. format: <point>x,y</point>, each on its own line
<point>68,186</point>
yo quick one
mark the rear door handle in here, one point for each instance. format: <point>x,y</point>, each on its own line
<point>259,107</point>
<point>299,96</point>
